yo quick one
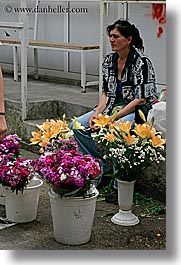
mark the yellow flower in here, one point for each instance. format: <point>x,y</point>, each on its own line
<point>110,137</point>
<point>44,142</point>
<point>77,125</point>
<point>41,150</point>
<point>101,121</point>
<point>36,137</point>
<point>112,125</point>
<point>55,130</point>
<point>157,141</point>
<point>62,124</point>
<point>44,126</point>
<point>142,115</point>
<point>114,116</point>
<point>125,126</point>
<point>130,139</point>
<point>48,134</point>
<point>144,130</point>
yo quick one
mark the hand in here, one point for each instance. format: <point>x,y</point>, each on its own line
<point>91,123</point>
<point>3,126</point>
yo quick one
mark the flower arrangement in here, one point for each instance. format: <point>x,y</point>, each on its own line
<point>68,171</point>
<point>60,164</point>
<point>16,174</point>
<point>15,171</point>
<point>10,147</point>
<point>64,144</point>
<point>130,150</point>
<point>51,132</point>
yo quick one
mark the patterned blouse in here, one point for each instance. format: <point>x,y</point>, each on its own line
<point>138,78</point>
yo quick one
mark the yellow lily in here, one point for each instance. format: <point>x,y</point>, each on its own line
<point>130,139</point>
<point>52,122</point>
<point>77,125</point>
<point>112,125</point>
<point>55,130</point>
<point>101,121</point>
<point>44,126</point>
<point>48,135</point>
<point>44,142</point>
<point>157,141</point>
<point>62,124</point>
<point>142,115</point>
<point>144,130</point>
<point>110,137</point>
<point>125,126</point>
<point>36,137</point>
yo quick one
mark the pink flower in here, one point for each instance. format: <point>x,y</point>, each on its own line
<point>68,170</point>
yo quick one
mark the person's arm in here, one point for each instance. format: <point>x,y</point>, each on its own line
<point>3,126</point>
<point>129,108</point>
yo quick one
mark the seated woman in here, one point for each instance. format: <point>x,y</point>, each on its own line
<point>128,81</point>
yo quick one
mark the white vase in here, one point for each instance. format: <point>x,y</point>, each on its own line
<point>2,195</point>
<point>125,200</point>
<point>22,207</point>
<point>72,218</point>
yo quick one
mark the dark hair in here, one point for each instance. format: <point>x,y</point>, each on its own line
<point>127,29</point>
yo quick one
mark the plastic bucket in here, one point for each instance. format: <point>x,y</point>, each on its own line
<point>72,218</point>
<point>22,207</point>
<point>2,195</point>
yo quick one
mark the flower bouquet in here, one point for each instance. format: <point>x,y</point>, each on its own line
<point>15,171</point>
<point>67,171</point>
<point>130,150</point>
<point>61,164</point>
<point>16,174</point>
<point>10,147</point>
<point>52,132</point>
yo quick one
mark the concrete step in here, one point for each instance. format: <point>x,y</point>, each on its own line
<point>45,100</point>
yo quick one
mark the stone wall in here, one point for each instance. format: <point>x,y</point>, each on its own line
<point>154,181</point>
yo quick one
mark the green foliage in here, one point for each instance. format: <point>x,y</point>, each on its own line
<point>150,206</point>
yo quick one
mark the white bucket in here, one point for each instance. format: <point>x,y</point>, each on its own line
<point>72,218</point>
<point>2,195</point>
<point>22,207</point>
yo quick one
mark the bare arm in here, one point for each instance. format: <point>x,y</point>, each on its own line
<point>129,108</point>
<point>3,126</point>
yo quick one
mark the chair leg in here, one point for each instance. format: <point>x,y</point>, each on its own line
<point>83,72</point>
<point>15,62</point>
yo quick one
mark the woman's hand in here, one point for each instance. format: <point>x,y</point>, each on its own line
<point>3,126</point>
<point>91,123</point>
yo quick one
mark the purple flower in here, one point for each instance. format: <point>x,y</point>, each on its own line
<point>16,174</point>
<point>10,146</point>
<point>67,170</point>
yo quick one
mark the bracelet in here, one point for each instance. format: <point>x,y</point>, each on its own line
<point>2,113</point>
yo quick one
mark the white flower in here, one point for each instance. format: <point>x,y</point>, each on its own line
<point>63,177</point>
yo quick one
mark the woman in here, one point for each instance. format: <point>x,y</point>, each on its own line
<point>128,81</point>
<point>3,127</point>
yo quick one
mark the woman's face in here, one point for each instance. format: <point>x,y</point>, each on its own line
<point>118,41</point>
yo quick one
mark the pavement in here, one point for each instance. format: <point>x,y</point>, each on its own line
<point>39,91</point>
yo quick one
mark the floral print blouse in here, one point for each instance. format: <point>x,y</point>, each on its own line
<point>138,78</point>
